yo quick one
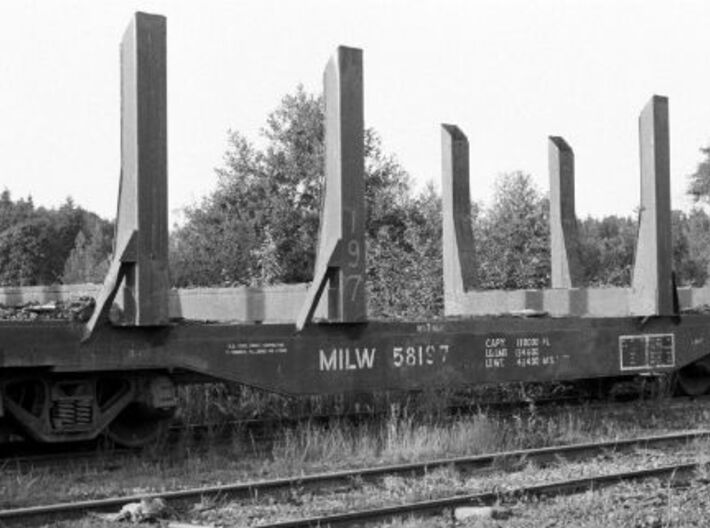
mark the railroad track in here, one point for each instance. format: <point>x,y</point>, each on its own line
<point>442,505</point>
<point>323,481</point>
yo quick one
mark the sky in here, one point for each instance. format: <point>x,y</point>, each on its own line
<point>509,73</point>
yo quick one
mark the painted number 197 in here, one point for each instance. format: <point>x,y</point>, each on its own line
<point>419,355</point>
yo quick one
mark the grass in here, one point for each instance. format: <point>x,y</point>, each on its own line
<point>396,439</point>
<point>649,504</point>
<point>217,402</point>
<point>435,484</point>
<point>406,438</point>
<point>402,436</point>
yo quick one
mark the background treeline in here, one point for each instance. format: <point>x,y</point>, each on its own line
<point>260,226</point>
<point>47,246</point>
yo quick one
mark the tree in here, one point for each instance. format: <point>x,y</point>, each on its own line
<point>261,223</point>
<point>405,267</point>
<point>275,191</point>
<point>699,181</point>
<point>14,212</point>
<point>691,247</point>
<point>90,255</point>
<point>512,236</point>
<point>67,221</point>
<point>36,243</point>
<point>607,247</point>
<point>25,253</point>
<point>698,238</point>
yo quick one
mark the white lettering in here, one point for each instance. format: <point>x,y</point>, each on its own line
<point>430,354</point>
<point>496,352</point>
<point>495,362</point>
<point>365,357</point>
<point>397,357</point>
<point>342,359</point>
<point>349,366</point>
<point>444,352</point>
<point>419,355</point>
<point>328,362</point>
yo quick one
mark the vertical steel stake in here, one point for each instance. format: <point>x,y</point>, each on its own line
<point>459,257</point>
<point>652,282</point>
<point>564,243</point>
<point>140,257</point>
<point>340,263</point>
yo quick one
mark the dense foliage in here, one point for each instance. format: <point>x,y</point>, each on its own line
<point>260,226</point>
<point>699,181</point>
<point>512,236</point>
<point>46,246</point>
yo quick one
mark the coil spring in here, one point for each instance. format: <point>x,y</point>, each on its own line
<point>70,412</point>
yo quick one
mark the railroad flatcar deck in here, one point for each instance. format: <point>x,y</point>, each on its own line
<point>334,358</point>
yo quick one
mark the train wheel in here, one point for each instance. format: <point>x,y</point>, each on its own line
<point>694,380</point>
<point>139,425</point>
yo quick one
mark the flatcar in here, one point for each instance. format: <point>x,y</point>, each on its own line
<point>117,371</point>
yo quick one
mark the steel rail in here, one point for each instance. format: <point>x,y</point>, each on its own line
<point>324,480</point>
<point>439,506</point>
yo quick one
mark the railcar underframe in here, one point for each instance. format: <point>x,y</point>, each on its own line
<point>326,358</point>
<point>70,380</point>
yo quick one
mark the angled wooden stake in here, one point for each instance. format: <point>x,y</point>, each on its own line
<point>459,256</point>
<point>340,261</point>
<point>652,284</point>
<point>564,243</point>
